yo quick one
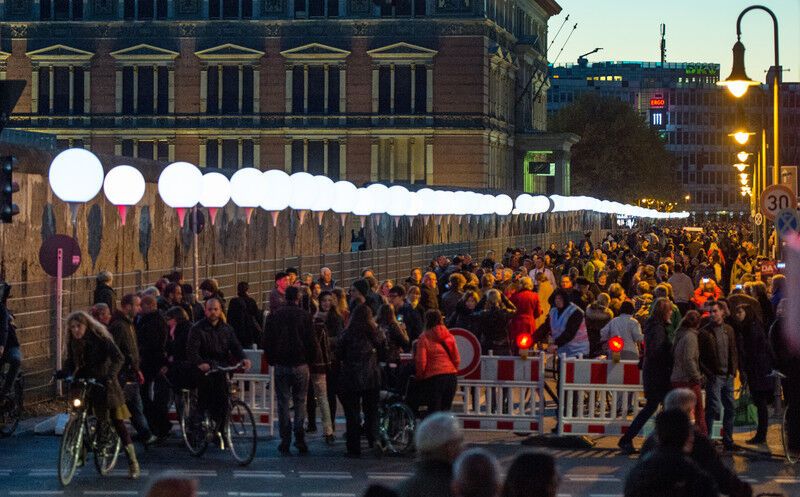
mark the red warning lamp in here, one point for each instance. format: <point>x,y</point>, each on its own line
<point>524,342</point>
<point>615,345</point>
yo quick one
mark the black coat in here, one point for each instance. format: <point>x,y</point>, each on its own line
<point>464,318</point>
<point>244,316</point>
<point>151,337</point>
<point>213,344</point>
<point>8,332</point>
<point>97,357</point>
<point>104,294</point>
<point>359,352</point>
<point>657,360</point>
<point>124,334</point>
<point>412,319</point>
<point>429,298</point>
<point>396,340</point>
<point>289,337</point>
<point>756,355</point>
<point>668,472</point>
<point>181,373</point>
<point>492,330</point>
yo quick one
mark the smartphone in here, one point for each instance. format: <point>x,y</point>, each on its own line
<point>781,265</point>
<point>705,280</point>
<point>739,287</point>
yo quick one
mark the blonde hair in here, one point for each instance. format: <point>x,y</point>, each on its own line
<point>92,325</point>
<point>526,283</point>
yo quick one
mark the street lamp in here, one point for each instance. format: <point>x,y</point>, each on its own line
<point>742,156</point>
<point>738,82</point>
<point>741,166</point>
<point>741,137</point>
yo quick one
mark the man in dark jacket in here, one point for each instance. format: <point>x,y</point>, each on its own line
<point>151,337</point>
<point>406,315</point>
<point>439,441</point>
<point>719,362</point>
<point>656,369</point>
<point>289,345</point>
<point>122,329</point>
<point>454,293</point>
<point>212,342</point>
<point>372,299</point>
<point>244,316</point>
<point>703,452</point>
<point>667,471</point>
<point>429,298</point>
<point>173,297</point>
<point>103,293</point>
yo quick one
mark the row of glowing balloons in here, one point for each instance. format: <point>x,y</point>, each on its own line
<point>76,176</point>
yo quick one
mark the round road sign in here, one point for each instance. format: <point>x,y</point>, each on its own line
<point>70,255</point>
<point>786,222</point>
<point>469,348</point>
<point>759,219</point>
<point>775,198</point>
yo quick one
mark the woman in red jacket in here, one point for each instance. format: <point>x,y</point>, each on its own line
<point>527,304</point>
<point>436,359</point>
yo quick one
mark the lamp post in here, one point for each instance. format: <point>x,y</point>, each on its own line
<point>738,82</point>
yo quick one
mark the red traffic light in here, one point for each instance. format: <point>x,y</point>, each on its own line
<point>524,340</point>
<point>615,344</point>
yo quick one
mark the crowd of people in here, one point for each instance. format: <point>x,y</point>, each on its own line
<point>691,306</point>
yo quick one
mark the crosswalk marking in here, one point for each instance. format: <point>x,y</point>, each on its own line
<point>258,474</point>
<point>592,478</point>
<point>335,475</point>
<point>255,494</point>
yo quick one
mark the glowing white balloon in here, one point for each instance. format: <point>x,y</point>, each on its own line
<point>503,205</point>
<point>276,194</point>
<point>344,197</point>
<point>427,201</point>
<point>379,195</point>
<point>399,197</point>
<point>325,194</point>
<point>216,193</point>
<point>539,204</point>
<point>247,189</point>
<point>124,186</point>
<point>304,191</point>
<point>76,175</point>
<point>179,186</point>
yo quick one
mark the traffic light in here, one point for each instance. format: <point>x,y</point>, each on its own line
<point>8,187</point>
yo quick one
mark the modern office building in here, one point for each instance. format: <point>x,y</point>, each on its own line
<point>408,91</point>
<point>694,116</point>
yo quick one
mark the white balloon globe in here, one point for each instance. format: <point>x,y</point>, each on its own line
<point>276,194</point>
<point>379,195</point>
<point>216,193</point>
<point>503,205</point>
<point>539,204</point>
<point>304,191</point>
<point>344,197</point>
<point>325,195</point>
<point>76,175</point>
<point>124,186</point>
<point>363,204</point>
<point>522,203</point>
<point>179,186</point>
<point>247,188</point>
<point>399,197</point>
<point>412,208</point>
<point>427,201</point>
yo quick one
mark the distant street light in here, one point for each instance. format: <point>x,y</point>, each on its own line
<point>742,137</point>
<point>742,156</point>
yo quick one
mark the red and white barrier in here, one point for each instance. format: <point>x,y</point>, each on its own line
<point>596,396</point>
<point>503,393</point>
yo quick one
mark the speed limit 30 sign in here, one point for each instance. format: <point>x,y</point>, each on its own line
<point>776,198</point>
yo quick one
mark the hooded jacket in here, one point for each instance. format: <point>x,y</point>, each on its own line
<point>436,353</point>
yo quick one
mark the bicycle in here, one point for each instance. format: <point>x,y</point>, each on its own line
<point>85,432</point>
<point>792,456</point>
<point>199,429</point>
<point>396,421</point>
<point>11,406</point>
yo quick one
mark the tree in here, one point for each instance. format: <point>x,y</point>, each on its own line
<point>619,157</point>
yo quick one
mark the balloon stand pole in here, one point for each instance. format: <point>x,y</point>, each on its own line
<point>123,213</point>
<point>181,215</point>
<point>73,210</point>
<point>59,316</point>
<point>196,255</point>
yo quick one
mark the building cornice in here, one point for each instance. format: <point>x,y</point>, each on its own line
<point>316,51</point>
<point>229,52</point>
<point>59,53</point>
<point>145,53</point>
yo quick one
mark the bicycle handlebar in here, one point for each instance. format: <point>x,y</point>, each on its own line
<point>224,369</point>
<point>776,374</point>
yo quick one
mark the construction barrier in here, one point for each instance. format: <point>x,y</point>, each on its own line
<point>505,393</point>
<point>597,397</point>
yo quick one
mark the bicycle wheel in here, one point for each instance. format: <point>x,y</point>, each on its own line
<point>71,448</point>
<point>792,456</point>
<point>10,414</point>
<point>397,425</point>
<point>192,429</point>
<point>241,433</point>
<point>106,449</point>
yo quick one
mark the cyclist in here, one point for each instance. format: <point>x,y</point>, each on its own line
<point>212,342</point>
<point>92,353</point>
<point>9,345</point>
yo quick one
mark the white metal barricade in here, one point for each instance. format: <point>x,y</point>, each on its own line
<point>258,392</point>
<point>597,396</point>
<point>506,393</point>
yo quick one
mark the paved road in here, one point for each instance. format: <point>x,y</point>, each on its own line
<point>27,467</point>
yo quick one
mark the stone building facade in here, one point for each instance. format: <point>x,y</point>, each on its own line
<point>411,91</point>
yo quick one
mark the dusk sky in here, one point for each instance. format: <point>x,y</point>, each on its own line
<point>697,31</point>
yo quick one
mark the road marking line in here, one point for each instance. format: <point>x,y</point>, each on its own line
<point>124,472</point>
<point>605,495</point>
<point>110,492</point>
<point>36,492</point>
<point>778,479</point>
<point>325,494</point>
<point>388,476</point>
<point>335,475</point>
<point>749,480</point>
<point>258,474</point>
<point>592,478</point>
<point>255,494</point>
